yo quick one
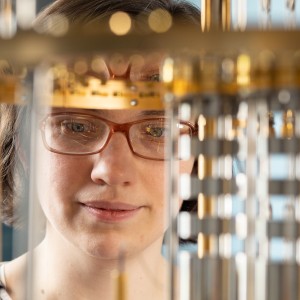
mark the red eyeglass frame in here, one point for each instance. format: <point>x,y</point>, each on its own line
<point>113,127</point>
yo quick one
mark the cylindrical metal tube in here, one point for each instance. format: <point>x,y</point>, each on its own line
<point>215,15</point>
<point>26,13</point>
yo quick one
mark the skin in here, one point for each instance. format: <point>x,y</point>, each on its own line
<point>86,247</point>
<point>113,175</point>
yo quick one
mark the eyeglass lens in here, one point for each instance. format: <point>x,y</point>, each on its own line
<point>83,134</point>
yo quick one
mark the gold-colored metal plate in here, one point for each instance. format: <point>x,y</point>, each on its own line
<point>113,94</point>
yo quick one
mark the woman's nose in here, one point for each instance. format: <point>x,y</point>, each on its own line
<point>115,164</point>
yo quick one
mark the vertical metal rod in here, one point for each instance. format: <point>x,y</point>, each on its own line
<point>266,14</point>
<point>31,210</point>
<point>120,279</point>
<point>291,4</point>
<point>289,241</point>
<point>250,204</point>
<point>206,167</point>
<point>6,6</point>
<point>172,196</point>
<point>291,21</point>
<point>185,278</point>
<point>266,5</point>
<point>26,13</point>
<point>215,15</point>
<point>241,269</point>
<point>229,271</point>
<point>263,199</point>
<point>225,279</point>
<point>40,81</point>
<point>241,14</point>
<point>8,25</point>
<point>205,15</point>
<point>226,15</point>
<point>223,239</point>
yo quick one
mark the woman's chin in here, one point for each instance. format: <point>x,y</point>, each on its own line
<point>109,250</point>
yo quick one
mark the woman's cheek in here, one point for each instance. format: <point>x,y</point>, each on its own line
<point>54,175</point>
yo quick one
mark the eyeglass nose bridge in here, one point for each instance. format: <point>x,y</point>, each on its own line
<point>122,128</point>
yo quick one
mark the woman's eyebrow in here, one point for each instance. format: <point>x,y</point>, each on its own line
<point>152,113</point>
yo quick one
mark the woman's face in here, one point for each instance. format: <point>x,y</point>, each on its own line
<point>107,202</point>
<point>114,200</point>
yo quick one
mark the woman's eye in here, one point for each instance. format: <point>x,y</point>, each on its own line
<point>155,131</point>
<point>77,126</point>
<point>154,77</point>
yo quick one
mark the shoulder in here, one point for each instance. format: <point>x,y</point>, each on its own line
<point>3,293</point>
<point>12,277</point>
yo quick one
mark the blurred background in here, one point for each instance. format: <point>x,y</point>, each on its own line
<point>278,10</point>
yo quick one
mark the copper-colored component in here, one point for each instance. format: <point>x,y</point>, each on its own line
<point>121,285</point>
<point>215,15</point>
<point>206,15</point>
<point>288,126</point>
<point>210,127</point>
<point>182,86</point>
<point>120,280</point>
<point>206,205</point>
<point>203,245</point>
<point>205,166</point>
<point>226,15</point>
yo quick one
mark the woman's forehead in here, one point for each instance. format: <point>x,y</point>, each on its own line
<point>115,115</point>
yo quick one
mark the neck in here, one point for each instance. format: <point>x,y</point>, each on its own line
<point>66,272</point>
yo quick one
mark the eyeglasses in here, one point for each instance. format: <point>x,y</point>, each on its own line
<point>83,134</point>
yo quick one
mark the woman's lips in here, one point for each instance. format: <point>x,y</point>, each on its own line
<point>112,211</point>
